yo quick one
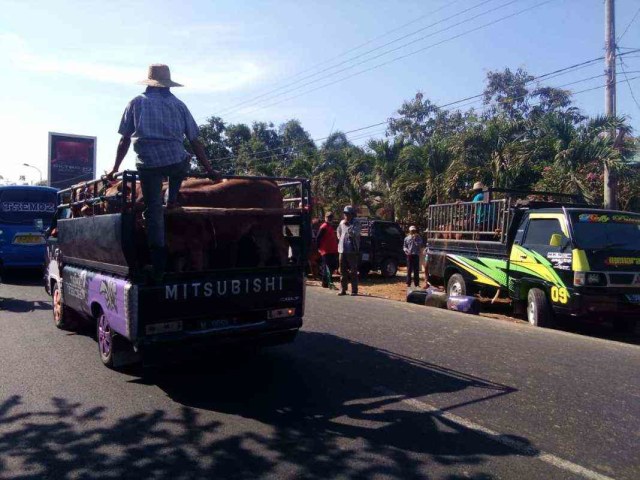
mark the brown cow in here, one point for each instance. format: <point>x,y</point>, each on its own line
<point>244,239</point>
<point>198,240</point>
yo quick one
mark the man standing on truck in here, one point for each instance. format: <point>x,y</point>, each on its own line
<point>412,246</point>
<point>328,248</point>
<point>158,123</point>
<point>349,249</point>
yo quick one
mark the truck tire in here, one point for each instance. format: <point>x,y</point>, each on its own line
<point>389,267</point>
<point>539,312</point>
<point>62,316</point>
<point>105,336</point>
<point>456,286</point>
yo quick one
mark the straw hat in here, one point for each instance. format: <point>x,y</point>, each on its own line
<point>478,186</point>
<point>159,76</point>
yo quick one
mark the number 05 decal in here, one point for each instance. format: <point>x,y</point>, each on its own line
<point>559,295</point>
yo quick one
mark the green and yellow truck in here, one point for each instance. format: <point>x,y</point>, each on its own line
<point>551,258</point>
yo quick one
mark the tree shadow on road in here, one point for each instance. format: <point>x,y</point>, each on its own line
<point>321,415</point>
<point>16,305</point>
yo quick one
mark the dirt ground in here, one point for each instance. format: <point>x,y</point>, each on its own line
<point>374,285</point>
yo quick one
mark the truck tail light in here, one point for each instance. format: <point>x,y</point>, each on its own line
<point>281,313</point>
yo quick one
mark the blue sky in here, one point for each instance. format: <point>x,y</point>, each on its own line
<point>71,66</point>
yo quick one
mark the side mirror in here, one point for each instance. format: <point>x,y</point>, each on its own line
<point>556,240</point>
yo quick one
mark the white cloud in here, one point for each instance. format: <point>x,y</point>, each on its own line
<point>221,76</point>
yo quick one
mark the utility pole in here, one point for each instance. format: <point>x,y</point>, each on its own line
<point>610,182</point>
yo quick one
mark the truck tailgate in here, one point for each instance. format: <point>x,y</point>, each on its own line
<point>244,296</point>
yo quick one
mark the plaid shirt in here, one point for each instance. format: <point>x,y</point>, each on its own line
<point>412,244</point>
<point>158,122</point>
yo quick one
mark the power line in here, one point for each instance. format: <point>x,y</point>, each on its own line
<point>270,152</point>
<point>450,27</point>
<point>371,135</point>
<point>547,75</point>
<point>633,19</point>
<point>251,100</point>
<point>624,72</point>
<point>357,47</point>
<point>493,22</point>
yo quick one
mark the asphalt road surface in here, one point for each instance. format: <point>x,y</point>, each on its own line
<point>370,389</point>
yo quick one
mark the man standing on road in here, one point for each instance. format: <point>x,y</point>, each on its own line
<point>158,123</point>
<point>328,248</point>
<point>349,249</point>
<point>412,247</point>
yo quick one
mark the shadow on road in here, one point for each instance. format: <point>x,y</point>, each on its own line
<point>278,413</point>
<point>16,305</point>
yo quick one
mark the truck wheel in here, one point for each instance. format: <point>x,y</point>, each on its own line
<point>389,267</point>
<point>105,339</point>
<point>62,316</point>
<point>456,286</point>
<point>539,313</point>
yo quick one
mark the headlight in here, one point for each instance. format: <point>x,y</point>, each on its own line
<point>592,279</point>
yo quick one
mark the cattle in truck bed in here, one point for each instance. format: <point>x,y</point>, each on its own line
<point>234,223</point>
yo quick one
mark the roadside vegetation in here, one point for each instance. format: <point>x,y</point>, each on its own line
<point>525,135</point>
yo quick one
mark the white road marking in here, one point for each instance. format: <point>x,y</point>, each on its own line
<point>498,437</point>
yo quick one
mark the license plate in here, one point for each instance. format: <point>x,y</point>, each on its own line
<point>633,298</point>
<point>212,324</point>
<point>28,239</point>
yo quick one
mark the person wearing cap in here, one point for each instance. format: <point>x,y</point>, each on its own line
<point>412,247</point>
<point>348,233</point>
<point>158,123</point>
<point>328,249</point>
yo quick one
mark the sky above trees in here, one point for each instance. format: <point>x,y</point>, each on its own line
<point>71,66</point>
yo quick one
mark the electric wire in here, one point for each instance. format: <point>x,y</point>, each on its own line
<point>251,100</point>
<point>466,32</point>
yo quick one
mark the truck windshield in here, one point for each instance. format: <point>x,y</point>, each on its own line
<point>25,205</point>
<point>599,230</point>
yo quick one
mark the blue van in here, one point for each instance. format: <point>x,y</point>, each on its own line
<point>25,212</point>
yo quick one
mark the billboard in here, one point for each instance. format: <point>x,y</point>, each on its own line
<point>72,159</point>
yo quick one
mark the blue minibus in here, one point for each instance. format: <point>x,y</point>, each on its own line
<point>25,212</point>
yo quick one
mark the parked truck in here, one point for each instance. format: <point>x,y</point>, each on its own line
<point>381,247</point>
<point>551,255</point>
<point>96,273</point>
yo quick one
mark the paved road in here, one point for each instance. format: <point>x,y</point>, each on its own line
<point>379,390</point>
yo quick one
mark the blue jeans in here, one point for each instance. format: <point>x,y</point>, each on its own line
<point>151,184</point>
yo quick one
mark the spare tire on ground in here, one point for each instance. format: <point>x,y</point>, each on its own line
<point>464,304</point>
<point>431,297</point>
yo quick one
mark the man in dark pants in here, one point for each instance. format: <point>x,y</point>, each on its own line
<point>412,247</point>
<point>349,248</point>
<point>158,123</point>
<point>328,248</point>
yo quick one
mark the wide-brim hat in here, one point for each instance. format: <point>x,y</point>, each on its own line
<point>159,75</point>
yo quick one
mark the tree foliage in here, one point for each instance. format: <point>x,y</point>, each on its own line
<point>527,136</point>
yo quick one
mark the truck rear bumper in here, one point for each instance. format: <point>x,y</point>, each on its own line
<point>602,307</point>
<point>264,333</point>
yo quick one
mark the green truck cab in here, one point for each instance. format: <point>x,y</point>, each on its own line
<point>551,258</point>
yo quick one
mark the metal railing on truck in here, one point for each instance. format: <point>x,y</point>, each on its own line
<point>473,221</point>
<point>488,220</point>
<point>297,206</point>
